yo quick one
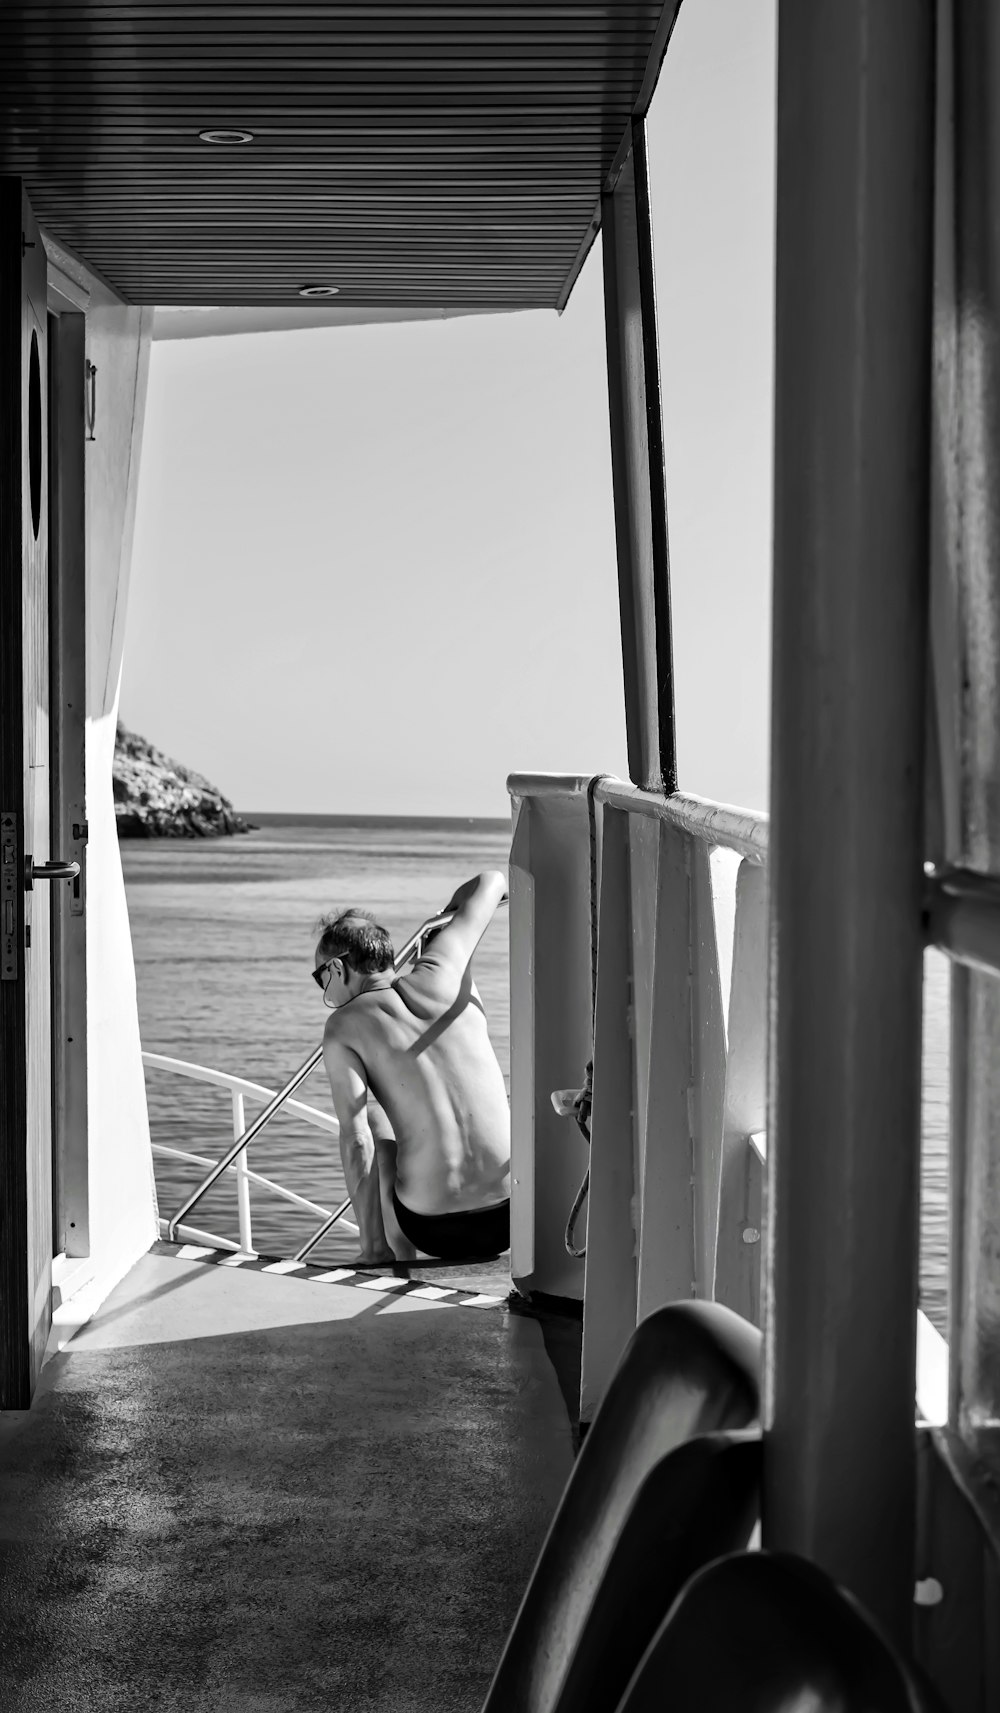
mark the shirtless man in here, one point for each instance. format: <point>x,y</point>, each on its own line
<point>418,1093</point>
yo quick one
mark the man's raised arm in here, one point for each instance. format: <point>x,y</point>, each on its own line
<point>472,907</point>
<point>349,1088</point>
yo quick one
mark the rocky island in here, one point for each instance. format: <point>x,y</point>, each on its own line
<point>156,798</point>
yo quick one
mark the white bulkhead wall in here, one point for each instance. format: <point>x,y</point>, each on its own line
<point>123,1215</point>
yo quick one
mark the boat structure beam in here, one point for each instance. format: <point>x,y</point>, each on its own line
<point>966,589</point>
<point>638,471</point>
<point>852,438</point>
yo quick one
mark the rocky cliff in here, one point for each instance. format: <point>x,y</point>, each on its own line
<point>156,798</point>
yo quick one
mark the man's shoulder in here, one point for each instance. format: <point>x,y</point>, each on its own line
<point>333,1029</point>
<point>351,1025</point>
<point>429,994</point>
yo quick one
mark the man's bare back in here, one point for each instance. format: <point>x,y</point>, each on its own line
<point>418,1044</point>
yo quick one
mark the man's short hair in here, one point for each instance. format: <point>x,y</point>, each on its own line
<point>355,936</point>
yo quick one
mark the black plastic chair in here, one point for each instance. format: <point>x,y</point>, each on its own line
<point>646,1505</point>
<point>769,1633</point>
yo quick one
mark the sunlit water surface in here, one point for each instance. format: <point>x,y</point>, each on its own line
<point>224,932</point>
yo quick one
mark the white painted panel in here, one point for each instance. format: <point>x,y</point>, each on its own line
<point>611,1283</point>
<point>550,1025</point>
<point>644,835</point>
<point>666,1244</point>
<point>122,1197</point>
<point>522,1051</point>
<point>709,1067</point>
<point>724,866</point>
<point>738,1258</point>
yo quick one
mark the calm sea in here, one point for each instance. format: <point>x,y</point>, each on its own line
<point>224,932</point>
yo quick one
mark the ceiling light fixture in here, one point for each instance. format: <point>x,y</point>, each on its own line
<point>231,138</point>
<point>318,291</point>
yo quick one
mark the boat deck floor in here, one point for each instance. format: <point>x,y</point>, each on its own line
<point>242,1491</point>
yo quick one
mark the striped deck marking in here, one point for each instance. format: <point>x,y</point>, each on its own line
<point>452,1296</point>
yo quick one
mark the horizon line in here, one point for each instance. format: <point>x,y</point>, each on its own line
<point>291,818</point>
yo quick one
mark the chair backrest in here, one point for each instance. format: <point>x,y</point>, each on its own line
<point>701,1502</point>
<point>769,1633</point>
<point>689,1369</point>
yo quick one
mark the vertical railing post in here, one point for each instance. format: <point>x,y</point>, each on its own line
<point>550,1042</point>
<point>852,428</point>
<point>242,1177</point>
<point>966,586</point>
<point>638,473</point>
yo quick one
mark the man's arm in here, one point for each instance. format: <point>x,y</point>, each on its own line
<point>349,1088</point>
<point>472,907</point>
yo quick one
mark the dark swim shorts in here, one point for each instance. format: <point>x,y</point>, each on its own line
<point>478,1235</point>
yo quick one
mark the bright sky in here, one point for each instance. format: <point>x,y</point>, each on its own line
<point>374,567</point>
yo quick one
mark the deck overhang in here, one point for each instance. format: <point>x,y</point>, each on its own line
<point>406,156</point>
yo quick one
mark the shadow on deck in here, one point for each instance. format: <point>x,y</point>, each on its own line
<point>241,1490</point>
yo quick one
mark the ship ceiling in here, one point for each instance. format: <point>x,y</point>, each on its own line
<point>406,155</point>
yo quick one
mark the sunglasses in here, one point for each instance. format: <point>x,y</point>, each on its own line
<point>318,972</point>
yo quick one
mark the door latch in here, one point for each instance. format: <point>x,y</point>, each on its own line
<point>48,871</point>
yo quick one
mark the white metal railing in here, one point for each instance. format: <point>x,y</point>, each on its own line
<point>639,942</point>
<point>239,1088</point>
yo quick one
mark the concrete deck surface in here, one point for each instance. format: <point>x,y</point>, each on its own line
<point>242,1492</point>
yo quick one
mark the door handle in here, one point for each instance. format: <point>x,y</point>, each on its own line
<point>48,871</point>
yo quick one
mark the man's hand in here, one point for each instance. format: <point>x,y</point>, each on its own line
<point>479,884</point>
<point>471,907</point>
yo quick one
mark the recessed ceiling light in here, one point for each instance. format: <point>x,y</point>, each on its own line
<point>224,137</point>
<point>318,291</point>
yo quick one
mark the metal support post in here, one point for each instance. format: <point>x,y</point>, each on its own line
<point>854,262</point>
<point>966,573</point>
<point>242,1177</point>
<point>637,468</point>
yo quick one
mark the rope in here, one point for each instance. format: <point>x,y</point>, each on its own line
<point>582,1107</point>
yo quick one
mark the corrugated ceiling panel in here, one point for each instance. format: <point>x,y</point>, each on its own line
<point>409,154</point>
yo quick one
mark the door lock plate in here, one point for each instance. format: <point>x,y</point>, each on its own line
<point>9,900</point>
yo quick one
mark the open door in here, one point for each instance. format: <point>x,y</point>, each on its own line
<point>25,870</point>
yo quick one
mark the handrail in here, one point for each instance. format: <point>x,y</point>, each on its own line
<point>720,824</point>
<point>243,1140</point>
<point>962,911</point>
<point>412,947</point>
<point>255,1178</point>
<point>240,1085</point>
